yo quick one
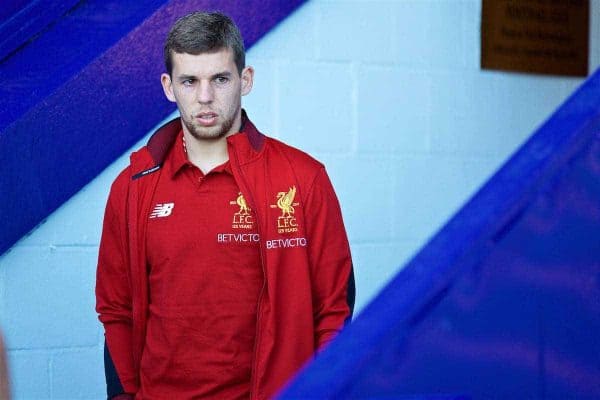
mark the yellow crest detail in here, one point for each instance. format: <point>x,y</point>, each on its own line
<point>241,201</point>
<point>243,218</point>
<point>285,201</point>
<point>286,222</point>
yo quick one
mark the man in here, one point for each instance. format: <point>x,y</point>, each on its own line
<point>224,264</point>
<point>4,389</point>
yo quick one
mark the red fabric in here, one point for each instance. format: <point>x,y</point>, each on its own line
<point>204,286</point>
<point>306,266</point>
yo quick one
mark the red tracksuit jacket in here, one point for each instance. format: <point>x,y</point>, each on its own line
<point>308,293</point>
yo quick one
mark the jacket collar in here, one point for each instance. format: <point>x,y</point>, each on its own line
<point>162,140</point>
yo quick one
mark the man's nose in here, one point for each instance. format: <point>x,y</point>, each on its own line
<point>205,92</point>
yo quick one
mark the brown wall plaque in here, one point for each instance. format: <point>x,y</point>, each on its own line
<point>542,36</point>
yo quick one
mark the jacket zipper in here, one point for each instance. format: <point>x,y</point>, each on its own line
<point>253,376</point>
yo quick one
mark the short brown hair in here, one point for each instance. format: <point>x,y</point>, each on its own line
<point>202,32</point>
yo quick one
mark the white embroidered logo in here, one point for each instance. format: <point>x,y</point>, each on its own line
<point>162,210</point>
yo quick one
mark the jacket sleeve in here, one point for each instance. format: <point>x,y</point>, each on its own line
<point>113,293</point>
<point>332,274</point>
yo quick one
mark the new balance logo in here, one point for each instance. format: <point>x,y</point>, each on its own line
<point>162,210</point>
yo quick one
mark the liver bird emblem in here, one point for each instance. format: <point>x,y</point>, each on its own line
<point>241,201</point>
<point>285,201</point>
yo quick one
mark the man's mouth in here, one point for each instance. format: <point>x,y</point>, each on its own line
<point>206,118</point>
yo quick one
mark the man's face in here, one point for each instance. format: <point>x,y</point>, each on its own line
<point>207,89</point>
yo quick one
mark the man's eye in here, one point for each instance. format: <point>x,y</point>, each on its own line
<point>188,82</point>
<point>221,79</point>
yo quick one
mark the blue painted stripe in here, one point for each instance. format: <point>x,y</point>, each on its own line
<point>373,357</point>
<point>87,112</point>
<point>21,20</point>
<point>72,41</point>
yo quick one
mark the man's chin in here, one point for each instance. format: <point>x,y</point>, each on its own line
<point>207,133</point>
<point>210,133</point>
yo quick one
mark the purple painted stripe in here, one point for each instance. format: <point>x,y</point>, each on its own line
<point>64,141</point>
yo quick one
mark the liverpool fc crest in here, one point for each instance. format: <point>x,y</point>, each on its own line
<point>286,222</point>
<point>242,219</point>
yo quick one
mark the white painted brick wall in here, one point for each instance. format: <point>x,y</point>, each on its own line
<point>389,95</point>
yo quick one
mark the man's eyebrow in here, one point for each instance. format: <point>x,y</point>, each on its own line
<point>224,73</point>
<point>185,77</point>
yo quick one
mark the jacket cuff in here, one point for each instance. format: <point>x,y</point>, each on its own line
<point>122,396</point>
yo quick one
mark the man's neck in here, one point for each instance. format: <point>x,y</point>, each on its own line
<point>207,154</point>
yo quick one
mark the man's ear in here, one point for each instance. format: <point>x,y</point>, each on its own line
<point>167,85</point>
<point>247,80</point>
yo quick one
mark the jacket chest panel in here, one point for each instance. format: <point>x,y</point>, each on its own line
<point>188,219</point>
